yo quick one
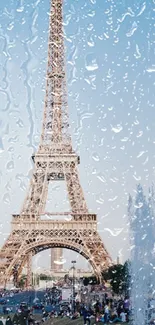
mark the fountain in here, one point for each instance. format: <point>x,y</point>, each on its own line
<point>141,213</point>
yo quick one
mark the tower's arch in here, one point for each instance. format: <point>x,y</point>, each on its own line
<point>84,241</point>
<point>37,247</point>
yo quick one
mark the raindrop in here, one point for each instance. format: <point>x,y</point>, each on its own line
<point>146,161</point>
<point>100,201</point>
<point>137,178</point>
<point>91,64</point>
<point>140,134</point>
<point>106,35</point>
<point>114,179</point>
<point>91,42</point>
<point>137,54</point>
<point>104,129</point>
<point>113,199</point>
<point>20,123</point>
<point>1,146</point>
<point>95,156</point>
<point>14,139</point>
<point>68,218</point>
<point>101,178</point>
<point>94,171</point>
<point>10,26</point>
<point>117,128</point>
<point>11,149</point>
<point>140,154</point>
<point>90,27</point>
<point>115,232</point>
<point>133,29</point>
<point>91,14</point>
<point>140,204</point>
<point>150,70</point>
<point>125,139</point>
<point>10,166</point>
<point>20,6</point>
<point>63,261</point>
<point>20,9</point>
<point>6,198</point>
<point>129,13</point>
<point>142,9</point>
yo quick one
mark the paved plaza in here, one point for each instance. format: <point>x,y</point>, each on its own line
<point>65,321</point>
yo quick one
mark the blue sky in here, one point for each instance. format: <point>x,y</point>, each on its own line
<point>111,80</point>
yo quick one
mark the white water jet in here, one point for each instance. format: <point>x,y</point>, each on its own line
<point>142,257</point>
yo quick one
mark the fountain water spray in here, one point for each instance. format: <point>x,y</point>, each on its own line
<point>141,213</point>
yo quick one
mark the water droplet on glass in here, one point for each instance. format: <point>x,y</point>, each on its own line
<point>95,157</point>
<point>116,129</point>
<point>63,261</point>
<point>113,198</point>
<point>6,198</point>
<point>101,178</point>
<point>137,178</point>
<point>132,30</point>
<point>142,9</point>
<point>139,205</point>
<point>91,63</point>
<point>115,232</point>
<point>10,26</point>
<point>10,166</point>
<point>150,70</point>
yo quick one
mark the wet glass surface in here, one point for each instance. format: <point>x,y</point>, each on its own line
<point>111,76</point>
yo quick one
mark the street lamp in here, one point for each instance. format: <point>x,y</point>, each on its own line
<point>73,300</point>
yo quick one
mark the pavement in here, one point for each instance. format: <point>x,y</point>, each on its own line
<point>67,321</point>
<point>64,321</point>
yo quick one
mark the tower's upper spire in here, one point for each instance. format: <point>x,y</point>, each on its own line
<point>55,135</point>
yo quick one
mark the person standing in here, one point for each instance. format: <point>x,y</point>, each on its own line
<point>86,316</point>
<point>106,314</point>
<point>8,321</point>
<point>123,316</point>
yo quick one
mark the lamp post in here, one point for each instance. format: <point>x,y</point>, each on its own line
<point>73,300</point>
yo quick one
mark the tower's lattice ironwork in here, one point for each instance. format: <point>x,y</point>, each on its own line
<point>54,160</point>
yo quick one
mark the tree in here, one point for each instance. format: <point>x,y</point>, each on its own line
<point>127,278</point>
<point>45,277</point>
<point>22,281</point>
<point>118,276</point>
<point>90,280</point>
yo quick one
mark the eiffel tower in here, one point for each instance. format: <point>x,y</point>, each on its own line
<point>55,160</point>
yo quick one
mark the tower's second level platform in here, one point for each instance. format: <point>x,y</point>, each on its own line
<point>70,221</point>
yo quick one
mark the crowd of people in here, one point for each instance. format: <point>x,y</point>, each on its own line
<point>109,311</point>
<point>112,310</point>
<point>5,293</point>
<point>105,310</point>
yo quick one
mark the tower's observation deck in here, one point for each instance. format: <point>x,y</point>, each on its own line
<point>73,221</point>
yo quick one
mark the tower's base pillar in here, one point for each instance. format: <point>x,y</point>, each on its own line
<point>29,271</point>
